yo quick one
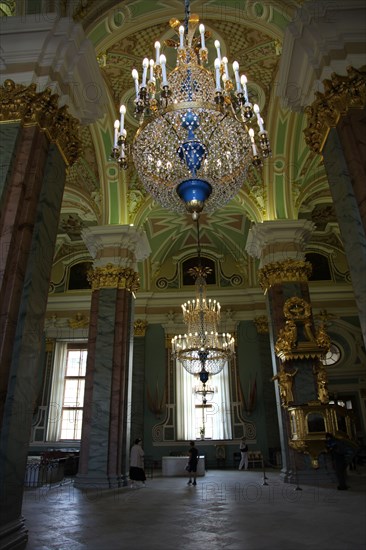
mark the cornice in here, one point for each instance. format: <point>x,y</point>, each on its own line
<point>24,104</point>
<point>341,93</point>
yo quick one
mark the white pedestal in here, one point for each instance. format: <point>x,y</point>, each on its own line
<point>175,466</point>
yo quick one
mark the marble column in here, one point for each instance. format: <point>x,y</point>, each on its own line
<point>105,440</point>
<point>336,129</point>
<point>328,83</point>
<point>283,275</point>
<point>39,139</point>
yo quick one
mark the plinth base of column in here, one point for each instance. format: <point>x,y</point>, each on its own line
<point>86,481</point>
<point>13,535</point>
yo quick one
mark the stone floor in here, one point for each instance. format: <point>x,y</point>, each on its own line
<point>227,510</point>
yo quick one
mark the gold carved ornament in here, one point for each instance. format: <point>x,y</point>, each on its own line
<point>286,271</point>
<point>79,321</point>
<point>341,93</point>
<point>285,382</point>
<point>298,315</point>
<point>111,276</point>
<point>321,375</point>
<point>139,327</point>
<point>18,102</point>
<point>261,324</point>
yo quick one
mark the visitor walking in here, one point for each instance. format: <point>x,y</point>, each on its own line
<point>243,454</point>
<point>192,463</point>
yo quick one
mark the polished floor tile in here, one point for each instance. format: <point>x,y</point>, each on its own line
<point>227,510</point>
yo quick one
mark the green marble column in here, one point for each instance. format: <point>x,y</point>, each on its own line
<point>295,342</point>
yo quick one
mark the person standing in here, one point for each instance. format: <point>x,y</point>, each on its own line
<point>137,472</point>
<point>243,455</point>
<point>342,452</point>
<point>192,463</point>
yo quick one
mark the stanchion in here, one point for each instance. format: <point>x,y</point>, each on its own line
<point>264,474</point>
<point>297,488</point>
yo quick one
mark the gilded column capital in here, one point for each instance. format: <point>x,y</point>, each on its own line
<point>25,104</point>
<point>341,93</point>
<point>112,276</point>
<point>285,271</point>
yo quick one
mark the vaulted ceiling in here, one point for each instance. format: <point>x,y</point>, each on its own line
<point>291,184</point>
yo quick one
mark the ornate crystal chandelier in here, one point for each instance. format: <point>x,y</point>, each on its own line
<point>198,131</point>
<point>202,350</point>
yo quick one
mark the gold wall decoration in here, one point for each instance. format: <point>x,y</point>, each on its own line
<point>79,321</point>
<point>156,402</point>
<point>341,93</point>
<point>261,324</point>
<point>50,344</point>
<point>112,276</point>
<point>297,339</point>
<point>286,271</point>
<point>25,104</point>
<point>139,327</point>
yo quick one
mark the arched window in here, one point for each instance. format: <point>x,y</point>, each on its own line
<point>78,276</point>
<point>193,262</point>
<point>321,270</point>
<point>193,416</point>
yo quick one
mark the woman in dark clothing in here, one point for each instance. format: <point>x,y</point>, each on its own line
<point>192,463</point>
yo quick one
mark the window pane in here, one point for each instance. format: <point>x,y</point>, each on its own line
<point>74,392</point>
<point>71,423</point>
<point>70,394</point>
<point>76,362</point>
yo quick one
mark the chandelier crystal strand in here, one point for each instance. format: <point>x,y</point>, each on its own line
<point>202,350</point>
<point>198,131</point>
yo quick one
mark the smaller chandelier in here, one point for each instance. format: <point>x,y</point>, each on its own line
<point>202,350</point>
<point>199,131</point>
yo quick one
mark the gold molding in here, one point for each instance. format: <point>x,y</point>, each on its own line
<point>23,103</point>
<point>112,276</point>
<point>286,271</point>
<point>341,93</point>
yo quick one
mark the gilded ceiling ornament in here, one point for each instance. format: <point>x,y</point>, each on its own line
<point>139,327</point>
<point>112,276</point>
<point>341,93</point>
<point>297,339</point>
<point>280,272</point>
<point>18,102</point>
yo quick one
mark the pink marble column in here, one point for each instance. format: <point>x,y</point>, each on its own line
<point>105,440</point>
<point>34,171</point>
